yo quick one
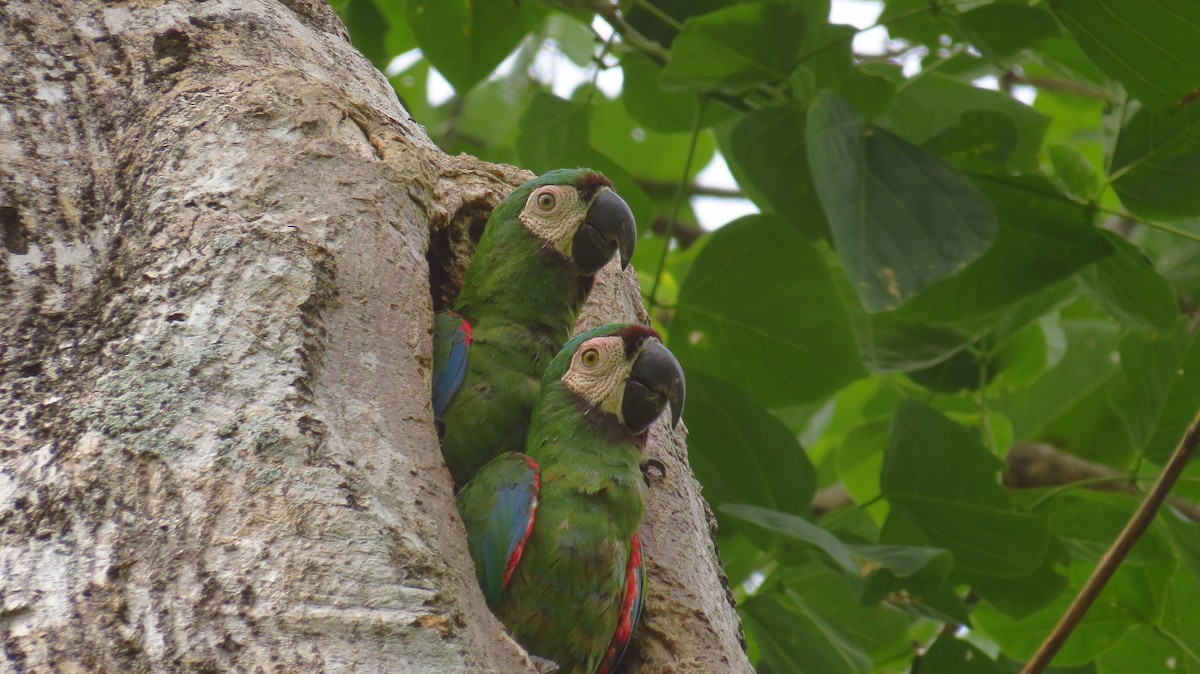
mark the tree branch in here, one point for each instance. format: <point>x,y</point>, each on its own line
<point>1120,548</point>
<point>693,190</point>
<point>1032,465</point>
<point>1062,86</point>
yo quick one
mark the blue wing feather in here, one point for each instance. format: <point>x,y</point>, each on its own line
<point>498,507</point>
<point>451,341</point>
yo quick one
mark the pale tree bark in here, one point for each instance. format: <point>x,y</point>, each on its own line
<point>216,445</point>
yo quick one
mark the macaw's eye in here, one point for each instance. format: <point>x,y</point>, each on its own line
<point>547,201</point>
<point>590,358</point>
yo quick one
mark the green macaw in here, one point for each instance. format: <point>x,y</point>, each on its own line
<point>530,274</point>
<point>553,531</point>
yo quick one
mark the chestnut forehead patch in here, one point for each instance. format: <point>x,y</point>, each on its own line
<point>590,184</point>
<point>635,335</point>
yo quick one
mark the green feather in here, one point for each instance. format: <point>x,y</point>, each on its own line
<point>563,601</point>
<point>521,298</point>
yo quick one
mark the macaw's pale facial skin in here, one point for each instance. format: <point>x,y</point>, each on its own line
<point>553,532</point>
<point>521,294</point>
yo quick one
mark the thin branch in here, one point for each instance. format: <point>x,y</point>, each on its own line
<point>683,181</point>
<point>1120,548</point>
<point>1058,85</point>
<point>685,233</point>
<point>1035,465</point>
<point>693,189</point>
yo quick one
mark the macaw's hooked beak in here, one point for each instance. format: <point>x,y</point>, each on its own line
<point>608,227</point>
<point>655,381</point>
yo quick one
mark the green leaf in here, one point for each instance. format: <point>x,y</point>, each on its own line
<point>643,153</point>
<point>1088,522</point>
<point>933,104</point>
<point>1186,538</point>
<point>960,372</point>
<point>1100,627</point>
<point>486,118</point>
<point>1149,46</point>
<point>797,528</point>
<point>1073,171</point>
<point>901,219</point>
<point>411,86</point>
<point>649,22</point>
<point>466,40</point>
<point>1126,284</point>
<point>378,29</point>
<point>858,460</point>
<point>768,144</point>
<point>1042,239</point>
<point>949,655</point>
<point>1179,623</point>
<point>792,638</point>
<point>981,139</point>
<point>1163,393</point>
<point>919,22</point>
<point>1156,162</point>
<point>826,63</point>
<point>556,133</point>
<point>1015,596</point>
<point>861,402</point>
<point>743,454</point>
<point>1023,596</point>
<point>1023,358</point>
<point>573,38</point>
<point>1071,403</point>
<point>939,474</point>
<point>758,309</point>
<point>1148,650</point>
<point>736,48</point>
<point>1000,30</point>
<point>662,109</point>
<point>889,342</point>
<point>875,629</point>
<point>911,578</point>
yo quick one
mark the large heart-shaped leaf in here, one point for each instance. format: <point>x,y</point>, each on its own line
<point>467,39</point>
<point>743,454</point>
<point>736,48</point>
<point>901,218</point>
<point>1150,46</point>
<point>1156,161</point>
<point>937,473</point>
<point>758,309</point>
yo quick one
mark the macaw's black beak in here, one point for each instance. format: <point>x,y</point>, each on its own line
<point>609,227</point>
<point>655,381</point>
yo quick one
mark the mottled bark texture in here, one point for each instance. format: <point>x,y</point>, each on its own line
<point>216,447</point>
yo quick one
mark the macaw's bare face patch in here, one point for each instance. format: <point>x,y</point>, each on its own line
<point>554,213</point>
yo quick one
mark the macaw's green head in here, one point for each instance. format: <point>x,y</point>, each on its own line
<point>622,370</point>
<point>577,213</point>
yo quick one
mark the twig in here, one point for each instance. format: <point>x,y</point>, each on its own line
<point>1120,547</point>
<point>693,189</point>
<point>1062,86</point>
<point>683,181</point>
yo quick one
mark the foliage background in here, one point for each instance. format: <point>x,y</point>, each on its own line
<point>938,272</point>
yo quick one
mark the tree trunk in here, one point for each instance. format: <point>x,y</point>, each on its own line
<point>215,312</point>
